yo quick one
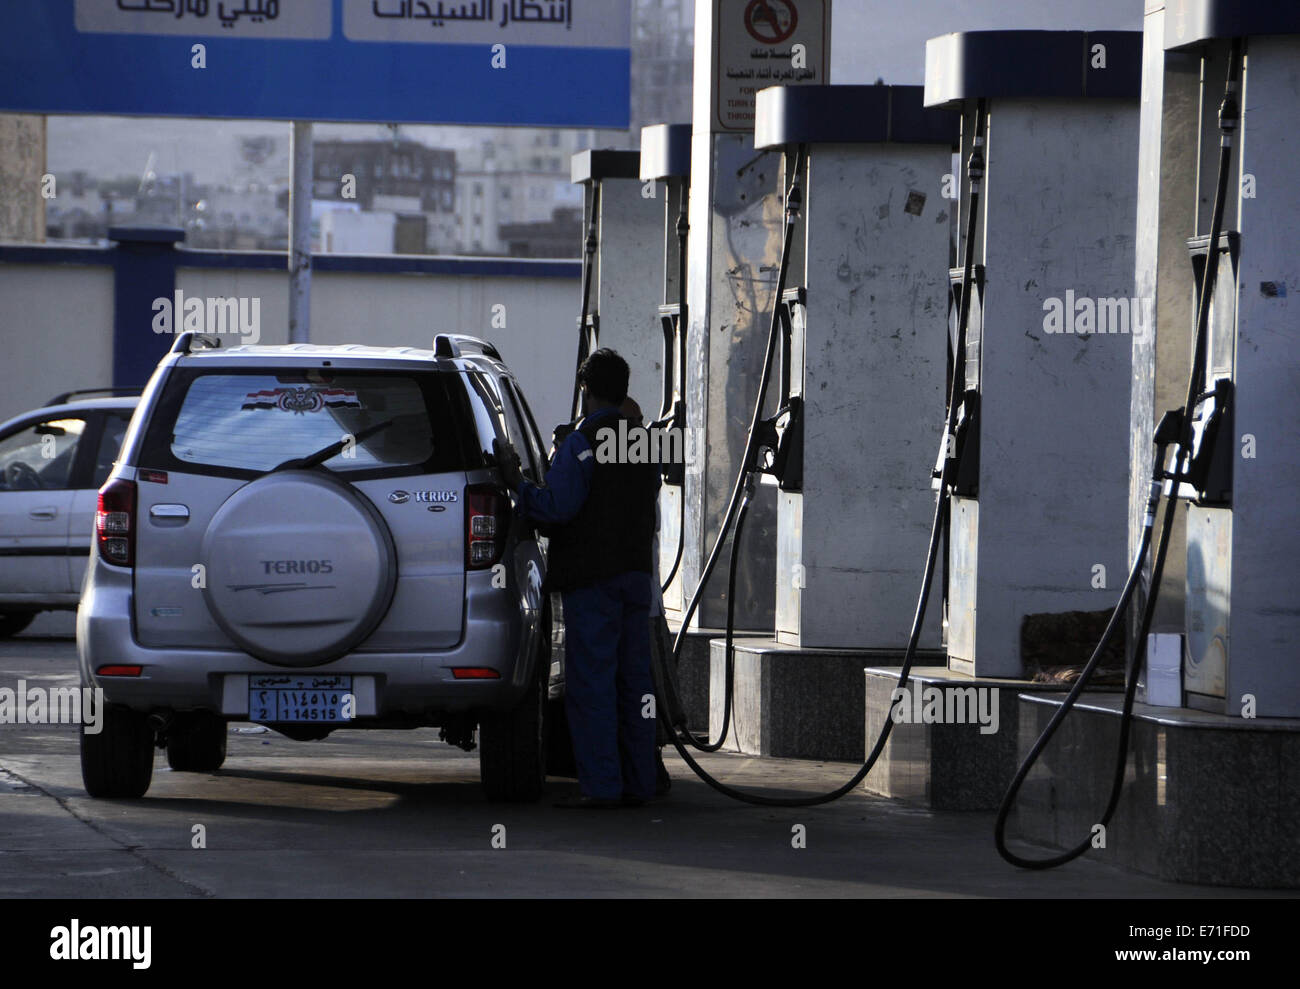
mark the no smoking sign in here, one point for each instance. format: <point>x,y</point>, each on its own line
<point>771,21</point>
<point>782,43</point>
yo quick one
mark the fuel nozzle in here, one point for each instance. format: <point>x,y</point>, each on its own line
<point>793,202</point>
<point>1229,110</point>
<point>1169,429</point>
<point>975,163</point>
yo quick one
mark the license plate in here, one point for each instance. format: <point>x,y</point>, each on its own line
<point>300,699</point>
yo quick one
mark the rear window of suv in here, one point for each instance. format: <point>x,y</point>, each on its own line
<point>242,424</point>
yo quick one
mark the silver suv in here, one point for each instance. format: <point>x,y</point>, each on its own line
<point>314,538</point>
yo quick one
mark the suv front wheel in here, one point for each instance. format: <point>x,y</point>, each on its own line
<point>512,744</point>
<point>118,760</point>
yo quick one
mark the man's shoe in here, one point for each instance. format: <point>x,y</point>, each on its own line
<point>663,782</point>
<point>583,802</point>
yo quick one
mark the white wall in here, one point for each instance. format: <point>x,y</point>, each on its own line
<point>56,323</point>
<point>56,332</point>
<point>538,341</point>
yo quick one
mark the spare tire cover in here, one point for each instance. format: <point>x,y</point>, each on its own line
<point>300,567</point>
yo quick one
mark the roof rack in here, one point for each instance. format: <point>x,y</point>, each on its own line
<point>189,342</point>
<point>459,345</point>
<point>123,390</point>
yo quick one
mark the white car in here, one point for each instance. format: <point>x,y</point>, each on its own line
<point>52,463</point>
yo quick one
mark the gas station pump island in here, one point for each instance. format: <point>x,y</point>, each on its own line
<point>963,304</point>
<point>985,389</point>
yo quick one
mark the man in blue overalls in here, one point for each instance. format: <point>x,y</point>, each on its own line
<point>599,509</point>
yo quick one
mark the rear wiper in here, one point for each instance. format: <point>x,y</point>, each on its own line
<point>334,449</point>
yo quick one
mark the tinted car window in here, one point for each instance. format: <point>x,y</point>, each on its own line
<point>39,458</point>
<point>110,444</point>
<point>526,431</point>
<point>488,410</point>
<point>247,423</point>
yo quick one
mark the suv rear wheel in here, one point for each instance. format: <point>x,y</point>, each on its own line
<point>512,744</point>
<point>118,760</point>
<point>197,745</point>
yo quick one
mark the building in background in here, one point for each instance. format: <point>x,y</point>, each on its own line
<point>413,183</point>
<point>663,52</point>
<point>518,178</point>
<point>441,189</point>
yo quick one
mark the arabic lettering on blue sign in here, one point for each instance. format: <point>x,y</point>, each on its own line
<point>562,63</point>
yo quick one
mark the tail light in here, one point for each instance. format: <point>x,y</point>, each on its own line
<point>119,671</point>
<point>115,523</point>
<point>487,522</point>
<point>474,673</point>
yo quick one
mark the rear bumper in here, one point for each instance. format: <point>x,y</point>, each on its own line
<point>406,685</point>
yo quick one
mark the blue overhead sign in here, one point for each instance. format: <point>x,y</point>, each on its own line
<point>563,63</point>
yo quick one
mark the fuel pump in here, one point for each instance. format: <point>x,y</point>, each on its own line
<point>1037,452</point>
<point>666,160</point>
<point>1240,622</point>
<point>621,242</point>
<point>1243,542</point>
<point>861,359</point>
<point>1174,430</point>
<point>753,458</point>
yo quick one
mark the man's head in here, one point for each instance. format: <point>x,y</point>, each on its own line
<point>603,377</point>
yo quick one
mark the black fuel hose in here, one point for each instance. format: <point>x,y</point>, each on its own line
<point>679,367</point>
<point>1229,114</point>
<point>681,546</point>
<point>793,204</point>
<point>589,264</point>
<point>975,170</point>
<point>729,652</point>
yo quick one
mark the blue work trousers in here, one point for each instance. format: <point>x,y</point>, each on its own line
<point>608,688</point>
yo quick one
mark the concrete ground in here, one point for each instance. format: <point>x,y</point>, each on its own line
<point>400,814</point>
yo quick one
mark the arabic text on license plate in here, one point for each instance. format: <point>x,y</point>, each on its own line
<point>298,699</point>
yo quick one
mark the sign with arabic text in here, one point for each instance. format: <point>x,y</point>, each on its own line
<point>762,43</point>
<point>485,22</point>
<point>306,19</point>
<point>562,63</point>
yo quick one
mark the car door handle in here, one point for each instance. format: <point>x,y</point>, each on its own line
<point>170,513</point>
<point>43,513</point>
